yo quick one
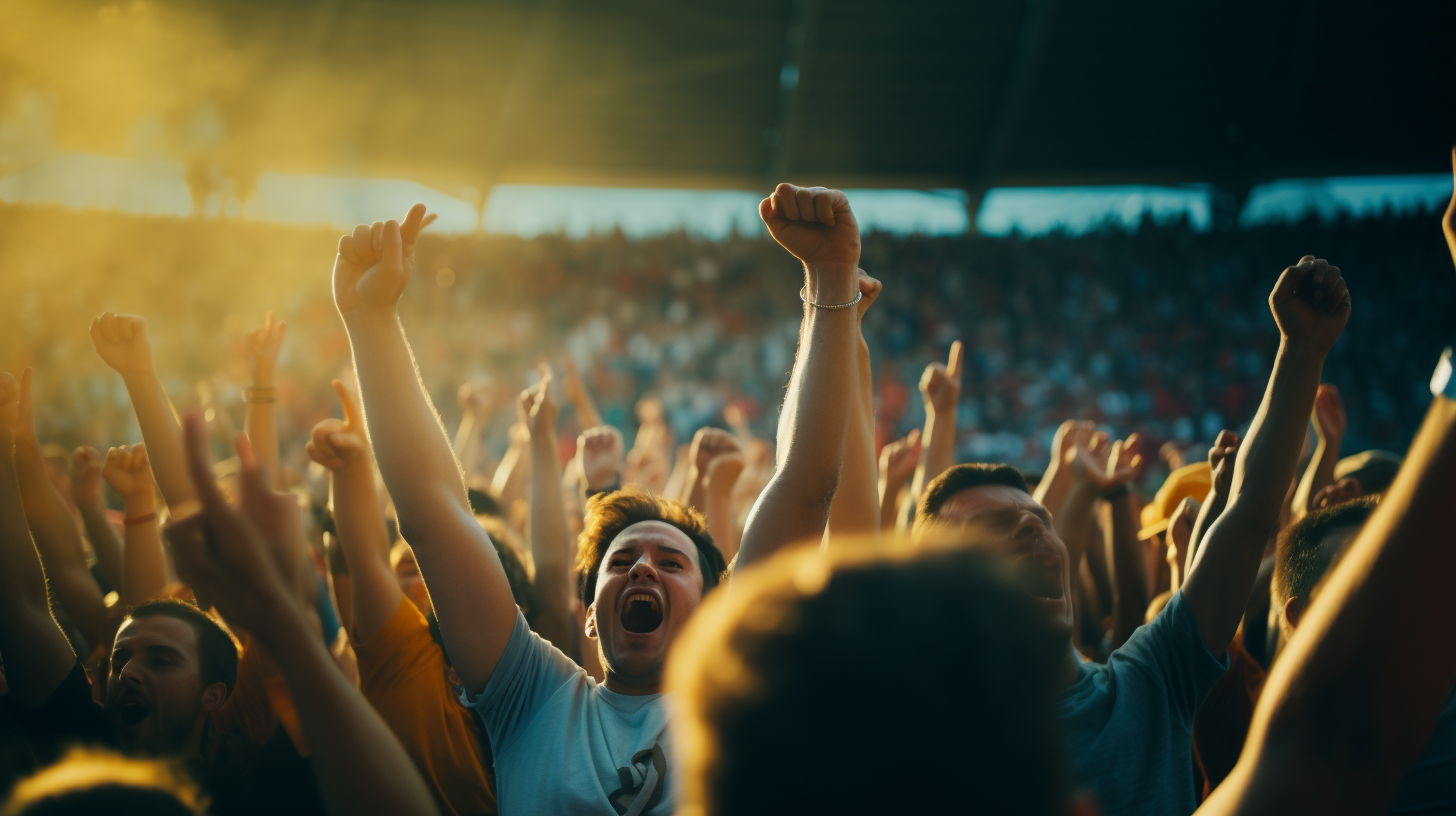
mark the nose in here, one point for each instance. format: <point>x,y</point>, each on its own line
<point>129,672</point>
<point>643,570</point>
<point>1028,528</point>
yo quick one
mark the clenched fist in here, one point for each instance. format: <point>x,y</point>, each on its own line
<point>128,471</point>
<point>122,342</point>
<point>600,456</point>
<point>1311,303</point>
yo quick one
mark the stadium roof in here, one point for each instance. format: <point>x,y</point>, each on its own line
<point>465,94</point>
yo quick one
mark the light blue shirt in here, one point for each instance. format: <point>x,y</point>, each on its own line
<point>564,744</point>
<point>1129,721</point>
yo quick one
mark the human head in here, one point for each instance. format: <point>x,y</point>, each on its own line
<point>88,781</point>
<point>171,666</point>
<point>989,505</point>
<point>407,575</point>
<point>1307,550</point>
<point>644,563</point>
<point>1372,470</point>
<point>973,659</point>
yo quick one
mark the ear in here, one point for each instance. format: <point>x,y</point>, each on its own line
<point>213,696</point>
<point>1294,610</point>
<point>591,621</point>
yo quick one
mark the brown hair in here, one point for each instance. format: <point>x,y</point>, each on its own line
<point>608,514</point>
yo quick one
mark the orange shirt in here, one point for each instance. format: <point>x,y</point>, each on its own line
<point>402,674</point>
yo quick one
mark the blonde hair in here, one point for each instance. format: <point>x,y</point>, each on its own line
<point>85,769</point>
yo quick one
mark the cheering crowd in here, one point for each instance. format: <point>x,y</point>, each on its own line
<point>441,631</point>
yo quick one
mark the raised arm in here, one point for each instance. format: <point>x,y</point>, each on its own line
<point>1310,304</point>
<point>468,586</point>
<point>1329,430</point>
<point>123,344</point>
<point>817,226</point>
<point>1057,482</point>
<point>340,446</point>
<point>1354,698</point>
<point>898,460</point>
<point>555,611</point>
<point>37,655</point>
<point>225,551</point>
<point>260,422</point>
<point>51,523</point>
<point>144,574</point>
<point>1221,458</point>
<point>587,414</point>
<point>717,461</point>
<point>1124,551</point>
<point>86,491</point>
<point>940,389</point>
<point>856,507</point>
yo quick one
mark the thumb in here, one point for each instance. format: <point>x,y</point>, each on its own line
<point>953,369</point>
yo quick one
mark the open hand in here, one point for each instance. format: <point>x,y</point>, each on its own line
<point>537,411</point>
<point>122,342</point>
<point>1311,303</point>
<point>1329,412</point>
<point>1221,458</point>
<point>815,224</point>
<point>375,262</point>
<point>86,476</point>
<point>600,456</point>
<point>223,551</point>
<point>340,443</point>
<point>940,385</point>
<point>263,344</point>
<point>1107,467</point>
<point>128,471</point>
<point>899,458</point>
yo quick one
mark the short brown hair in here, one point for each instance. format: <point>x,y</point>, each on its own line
<point>608,514</point>
<point>963,477</point>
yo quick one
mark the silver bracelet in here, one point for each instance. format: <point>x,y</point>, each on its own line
<point>803,295</point>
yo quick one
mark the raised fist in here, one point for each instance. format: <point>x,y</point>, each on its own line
<point>710,445</point>
<point>375,262</point>
<point>122,342</point>
<point>940,385</point>
<point>128,471</point>
<point>264,342</point>
<point>1329,412</point>
<point>1311,303</point>
<point>86,476</point>
<point>339,443</point>
<point>600,456</point>
<point>1221,458</point>
<point>537,410</point>
<point>899,458</point>
<point>815,224</point>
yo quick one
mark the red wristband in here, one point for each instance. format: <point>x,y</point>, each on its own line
<point>139,519</point>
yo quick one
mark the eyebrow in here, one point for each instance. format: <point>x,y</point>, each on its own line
<point>1008,515</point>
<point>630,545</point>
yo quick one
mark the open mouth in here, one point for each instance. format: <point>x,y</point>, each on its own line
<point>641,614</point>
<point>1040,575</point>
<point>132,713</point>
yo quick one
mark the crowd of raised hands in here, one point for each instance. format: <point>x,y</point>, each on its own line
<point>713,624</point>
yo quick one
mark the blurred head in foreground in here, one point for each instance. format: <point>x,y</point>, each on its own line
<point>870,681</point>
<point>88,782</point>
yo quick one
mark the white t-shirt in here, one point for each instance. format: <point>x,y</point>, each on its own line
<point>565,744</point>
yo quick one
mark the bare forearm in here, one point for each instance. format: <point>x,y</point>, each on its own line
<point>1364,649</point>
<point>937,452</point>
<point>104,541</point>
<point>856,506</point>
<point>1319,474</point>
<point>721,524</point>
<point>586,411</point>
<point>361,766</point>
<point>260,423</point>
<point>57,538</point>
<point>551,545</point>
<point>1207,514</point>
<point>1130,580</point>
<point>889,501</point>
<point>374,592</point>
<point>145,573</point>
<point>1074,518</point>
<point>509,483</point>
<point>163,437</point>
<point>1218,586</point>
<point>795,505</point>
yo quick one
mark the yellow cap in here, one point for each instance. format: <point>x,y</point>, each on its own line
<point>1190,481</point>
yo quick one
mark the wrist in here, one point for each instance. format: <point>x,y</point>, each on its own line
<point>1301,351</point>
<point>831,283</point>
<point>262,376</point>
<point>136,372</point>
<point>139,505</point>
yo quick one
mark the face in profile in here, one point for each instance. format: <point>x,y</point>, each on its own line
<point>649,583</point>
<point>411,583</point>
<point>1014,526</point>
<point>154,695</point>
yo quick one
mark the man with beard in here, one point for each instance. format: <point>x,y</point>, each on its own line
<point>1129,721</point>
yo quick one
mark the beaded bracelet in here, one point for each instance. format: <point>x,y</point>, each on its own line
<point>803,295</point>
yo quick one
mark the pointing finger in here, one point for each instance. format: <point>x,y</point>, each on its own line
<point>953,369</point>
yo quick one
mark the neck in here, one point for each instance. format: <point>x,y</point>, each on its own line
<point>633,686</point>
